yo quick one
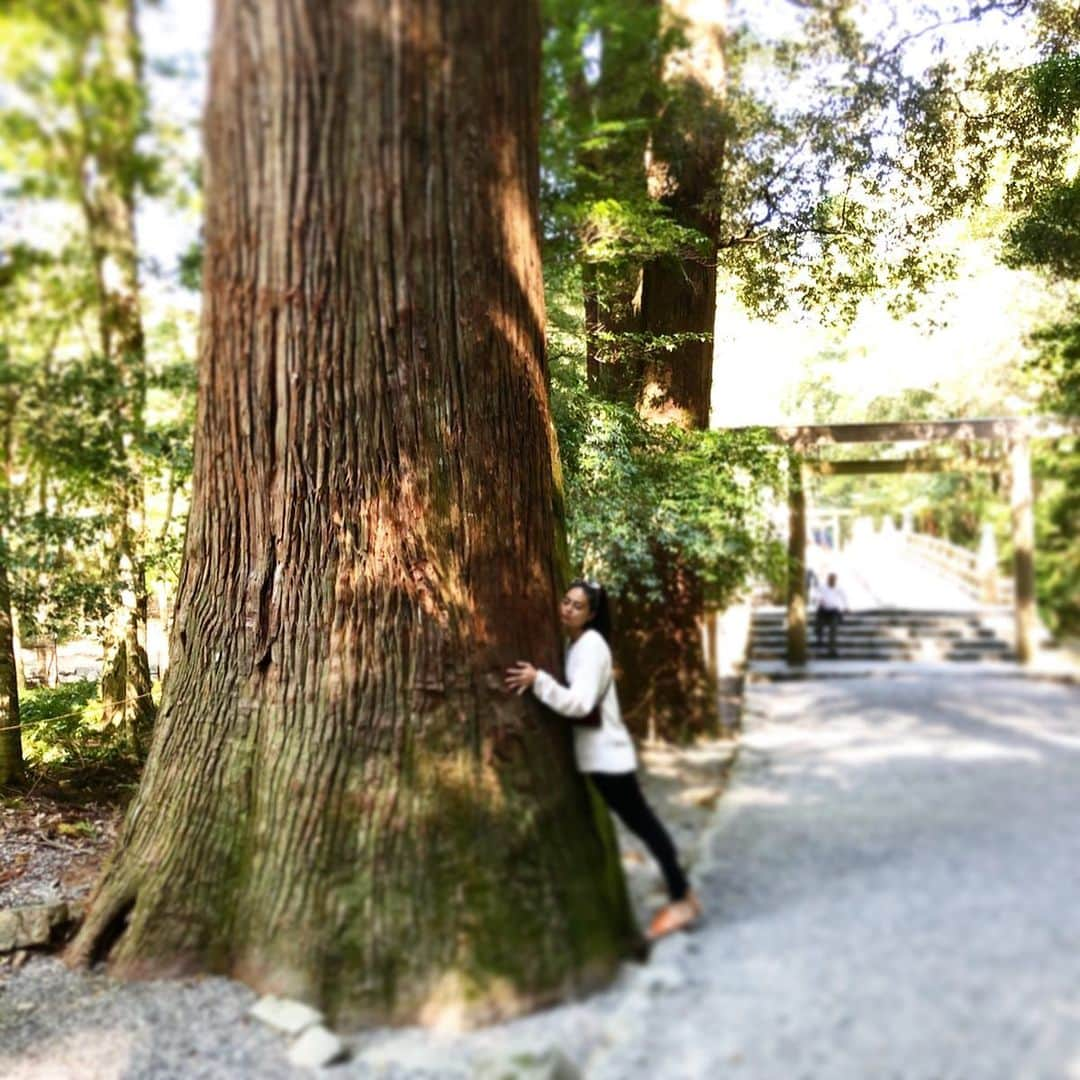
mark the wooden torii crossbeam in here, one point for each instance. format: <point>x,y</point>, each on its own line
<point>902,466</point>
<point>1005,429</point>
<point>1014,432</point>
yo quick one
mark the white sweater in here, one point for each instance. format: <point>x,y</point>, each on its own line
<point>605,749</point>
<point>832,598</point>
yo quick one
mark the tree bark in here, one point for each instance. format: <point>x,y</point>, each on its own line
<point>341,804</point>
<point>679,297</point>
<point>16,645</point>
<point>683,168</point>
<point>666,692</point>
<point>612,319</point>
<point>11,757</point>
<point>108,196</point>
<point>669,689</point>
<point>611,292</point>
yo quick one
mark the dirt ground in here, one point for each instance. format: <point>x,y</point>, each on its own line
<point>51,849</point>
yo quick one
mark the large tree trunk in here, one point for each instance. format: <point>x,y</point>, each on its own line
<point>665,691</point>
<point>611,292</point>
<point>341,804</point>
<point>108,197</point>
<point>679,298</point>
<point>612,321</point>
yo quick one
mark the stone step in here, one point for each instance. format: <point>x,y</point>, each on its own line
<point>859,620</point>
<point>886,641</point>
<point>899,633</point>
<point>986,611</point>
<point>905,629</point>
<point>962,655</point>
<point>995,645</point>
<point>954,619</point>
<point>957,655</point>
<point>880,654</point>
<point>844,654</point>
<point>893,633</point>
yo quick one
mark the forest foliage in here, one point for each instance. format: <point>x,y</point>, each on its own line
<point>816,169</point>
<point>1046,236</point>
<point>1022,132</point>
<point>835,190</point>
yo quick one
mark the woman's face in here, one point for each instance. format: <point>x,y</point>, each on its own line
<point>574,610</point>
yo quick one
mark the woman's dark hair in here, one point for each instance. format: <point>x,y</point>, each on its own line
<point>599,608</point>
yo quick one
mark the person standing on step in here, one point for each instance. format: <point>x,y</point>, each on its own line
<point>602,746</point>
<point>832,603</point>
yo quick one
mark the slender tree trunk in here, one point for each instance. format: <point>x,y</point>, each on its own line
<point>341,803</point>
<point>11,760</point>
<point>109,208</point>
<point>593,356</point>
<point>16,645</point>
<point>125,677</point>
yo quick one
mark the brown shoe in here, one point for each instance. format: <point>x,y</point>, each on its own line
<point>678,915</point>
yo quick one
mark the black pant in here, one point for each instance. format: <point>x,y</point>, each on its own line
<point>827,617</point>
<point>623,795</point>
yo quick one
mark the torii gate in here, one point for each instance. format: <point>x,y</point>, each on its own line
<point>1014,433</point>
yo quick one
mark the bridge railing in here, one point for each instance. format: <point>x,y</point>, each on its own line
<point>976,573</point>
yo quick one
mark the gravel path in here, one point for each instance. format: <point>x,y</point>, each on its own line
<point>892,883</point>
<point>895,886</point>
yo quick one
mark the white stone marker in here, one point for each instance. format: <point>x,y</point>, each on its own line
<point>291,1017</point>
<point>315,1048</point>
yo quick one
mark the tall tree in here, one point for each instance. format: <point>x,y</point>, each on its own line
<point>661,639</point>
<point>1046,236</point>
<point>603,67</point>
<point>645,102</point>
<point>76,124</point>
<point>817,194</point>
<point>340,803</point>
<point>684,162</point>
<point>110,169</point>
<point>11,757</point>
